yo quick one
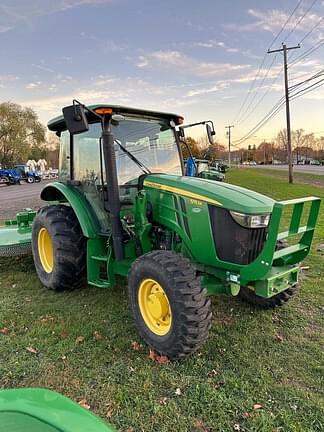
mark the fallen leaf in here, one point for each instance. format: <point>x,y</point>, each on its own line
<point>213,372</point>
<point>152,355</point>
<point>84,404</point>
<point>47,318</point>
<point>178,392</point>
<point>200,425</point>
<point>32,350</point>
<point>4,331</point>
<point>246,415</point>
<point>157,358</point>
<point>236,427</point>
<point>162,359</point>
<point>163,401</point>
<point>279,337</point>
<point>79,339</point>
<point>109,413</point>
<point>136,346</point>
<point>257,406</point>
<point>97,336</point>
<point>64,334</point>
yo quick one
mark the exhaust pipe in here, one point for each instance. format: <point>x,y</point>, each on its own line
<point>112,188</point>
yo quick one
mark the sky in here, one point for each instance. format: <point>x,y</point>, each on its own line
<point>195,58</point>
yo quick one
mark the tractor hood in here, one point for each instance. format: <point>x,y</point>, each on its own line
<point>225,195</point>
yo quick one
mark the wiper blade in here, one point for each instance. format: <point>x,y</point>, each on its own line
<point>133,158</point>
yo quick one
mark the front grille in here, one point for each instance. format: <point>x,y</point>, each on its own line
<point>233,242</point>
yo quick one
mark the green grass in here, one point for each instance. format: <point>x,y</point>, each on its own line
<point>271,358</point>
<point>299,177</point>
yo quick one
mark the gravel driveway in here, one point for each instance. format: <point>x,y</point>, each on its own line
<point>17,197</point>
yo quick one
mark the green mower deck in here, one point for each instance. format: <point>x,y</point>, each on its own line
<point>15,235</point>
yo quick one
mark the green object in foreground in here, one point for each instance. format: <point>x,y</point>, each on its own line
<point>41,410</point>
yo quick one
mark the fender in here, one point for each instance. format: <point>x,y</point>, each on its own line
<point>63,193</point>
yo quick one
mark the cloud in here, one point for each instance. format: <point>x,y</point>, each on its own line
<point>210,43</point>
<point>108,45</point>
<point>4,28</point>
<point>174,60</point>
<point>272,21</point>
<point>130,92</point>
<point>14,12</point>
<point>33,85</point>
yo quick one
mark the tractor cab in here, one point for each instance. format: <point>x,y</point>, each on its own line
<point>144,142</point>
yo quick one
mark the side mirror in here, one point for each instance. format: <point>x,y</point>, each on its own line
<point>75,119</point>
<point>210,134</point>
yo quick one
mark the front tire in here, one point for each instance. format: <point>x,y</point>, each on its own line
<point>59,248</point>
<point>30,179</point>
<point>171,310</point>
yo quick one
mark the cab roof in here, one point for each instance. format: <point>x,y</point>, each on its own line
<point>57,124</point>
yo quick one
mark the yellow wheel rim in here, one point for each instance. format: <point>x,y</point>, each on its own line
<point>155,307</point>
<point>45,250</point>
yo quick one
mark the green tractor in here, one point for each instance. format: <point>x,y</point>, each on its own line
<point>122,206</point>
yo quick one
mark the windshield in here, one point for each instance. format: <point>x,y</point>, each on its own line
<point>152,142</point>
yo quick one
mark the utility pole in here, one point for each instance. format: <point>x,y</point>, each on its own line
<point>228,133</point>
<point>284,49</point>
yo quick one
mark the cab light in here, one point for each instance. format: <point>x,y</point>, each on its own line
<point>103,111</point>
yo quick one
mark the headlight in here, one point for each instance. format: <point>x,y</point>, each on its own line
<point>251,221</point>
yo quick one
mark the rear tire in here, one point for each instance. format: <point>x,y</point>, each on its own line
<point>59,248</point>
<point>187,324</point>
<point>277,300</point>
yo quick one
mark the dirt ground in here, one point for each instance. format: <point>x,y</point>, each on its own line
<point>17,197</point>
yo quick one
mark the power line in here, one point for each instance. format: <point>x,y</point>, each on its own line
<point>264,94</point>
<point>313,86</point>
<point>266,118</point>
<point>300,19</point>
<point>237,117</point>
<point>317,75</point>
<point>284,26</point>
<point>311,30</point>
<point>244,116</point>
<point>275,110</point>
<point>250,90</point>
<point>308,52</point>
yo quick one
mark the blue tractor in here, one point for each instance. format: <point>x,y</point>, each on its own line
<point>27,174</point>
<point>9,176</point>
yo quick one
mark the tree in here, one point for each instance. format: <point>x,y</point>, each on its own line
<point>21,133</point>
<point>264,152</point>
<point>53,145</point>
<point>193,145</point>
<point>298,139</point>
